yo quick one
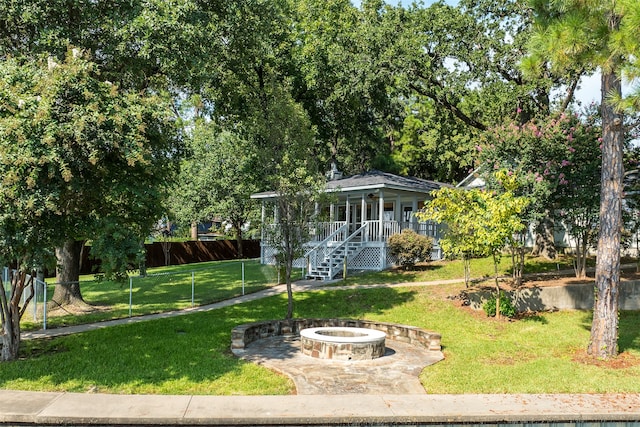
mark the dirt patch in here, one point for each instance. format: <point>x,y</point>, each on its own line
<point>622,361</point>
<point>76,310</point>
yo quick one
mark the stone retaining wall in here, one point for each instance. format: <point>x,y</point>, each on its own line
<point>569,297</point>
<point>245,334</point>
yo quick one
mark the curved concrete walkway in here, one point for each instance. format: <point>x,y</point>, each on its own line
<point>42,408</point>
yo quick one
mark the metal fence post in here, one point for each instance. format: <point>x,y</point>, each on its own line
<point>193,288</point>
<point>44,309</point>
<point>130,295</point>
<point>243,278</point>
<point>35,300</point>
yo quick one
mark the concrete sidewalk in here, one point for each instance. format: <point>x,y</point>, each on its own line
<point>18,407</point>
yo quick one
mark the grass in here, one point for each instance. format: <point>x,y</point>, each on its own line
<point>190,354</point>
<point>448,270</point>
<point>164,289</point>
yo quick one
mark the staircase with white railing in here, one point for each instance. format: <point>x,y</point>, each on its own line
<point>328,258</point>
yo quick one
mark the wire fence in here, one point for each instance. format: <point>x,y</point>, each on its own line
<point>175,289</point>
<point>34,296</point>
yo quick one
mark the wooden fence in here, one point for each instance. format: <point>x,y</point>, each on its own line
<point>185,253</point>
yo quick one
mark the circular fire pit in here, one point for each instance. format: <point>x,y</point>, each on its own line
<point>342,343</point>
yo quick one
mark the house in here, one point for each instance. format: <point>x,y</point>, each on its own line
<point>368,208</point>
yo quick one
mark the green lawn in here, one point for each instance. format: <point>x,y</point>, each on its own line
<point>190,354</point>
<point>164,289</point>
<point>446,270</point>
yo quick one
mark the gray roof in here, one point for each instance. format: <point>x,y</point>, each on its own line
<point>377,179</point>
<point>374,179</point>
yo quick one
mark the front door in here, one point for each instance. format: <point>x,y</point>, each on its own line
<point>355,218</point>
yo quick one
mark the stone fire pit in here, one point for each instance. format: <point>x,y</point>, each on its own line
<point>342,343</point>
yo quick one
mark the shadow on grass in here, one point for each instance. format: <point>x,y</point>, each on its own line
<point>628,332</point>
<point>189,354</point>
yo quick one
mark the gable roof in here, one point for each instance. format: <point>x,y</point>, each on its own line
<point>372,180</point>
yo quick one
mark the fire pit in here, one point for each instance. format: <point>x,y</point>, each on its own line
<point>342,343</point>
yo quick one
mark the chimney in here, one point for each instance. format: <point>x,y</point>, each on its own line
<point>334,174</point>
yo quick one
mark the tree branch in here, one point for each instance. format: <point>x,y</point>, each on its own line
<point>445,103</point>
<point>570,92</point>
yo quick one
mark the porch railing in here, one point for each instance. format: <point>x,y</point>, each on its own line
<point>360,232</point>
<point>326,230</point>
<point>320,250</point>
<point>393,227</point>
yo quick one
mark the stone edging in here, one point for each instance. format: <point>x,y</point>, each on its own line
<point>243,335</point>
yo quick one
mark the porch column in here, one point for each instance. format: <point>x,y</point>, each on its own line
<point>347,213</point>
<point>414,208</point>
<point>381,215</point>
<point>332,214</point>
<point>363,212</point>
<point>398,211</point>
<point>383,250</point>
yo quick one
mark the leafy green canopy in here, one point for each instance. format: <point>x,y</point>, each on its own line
<point>478,222</point>
<point>77,155</point>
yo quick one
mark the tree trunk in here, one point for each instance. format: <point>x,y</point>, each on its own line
<point>517,264</point>
<point>544,244</point>
<point>67,289</point>
<point>142,265</point>
<point>581,257</point>
<point>604,328</point>
<point>166,250</point>
<point>495,276</point>
<point>289,292</point>
<point>11,314</point>
<point>466,260</point>
<point>238,230</point>
<point>10,332</point>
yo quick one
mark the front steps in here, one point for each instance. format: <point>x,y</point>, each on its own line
<point>333,264</point>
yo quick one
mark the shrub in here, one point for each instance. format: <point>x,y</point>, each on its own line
<point>410,247</point>
<point>507,308</point>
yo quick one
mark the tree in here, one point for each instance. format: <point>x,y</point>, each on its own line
<point>99,155</point>
<point>556,160</point>
<point>434,145</point>
<point>594,34</point>
<point>479,222</point>
<point>459,210</point>
<point>459,70</point>
<point>339,82</point>
<point>217,179</point>
<point>291,170</point>
<point>501,222</point>
<point>137,47</point>
<point>27,217</point>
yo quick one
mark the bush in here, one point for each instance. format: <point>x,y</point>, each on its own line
<point>410,247</point>
<point>507,308</point>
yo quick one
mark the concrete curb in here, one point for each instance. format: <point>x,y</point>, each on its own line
<point>103,409</point>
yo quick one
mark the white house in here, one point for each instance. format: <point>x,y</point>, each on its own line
<point>368,208</point>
